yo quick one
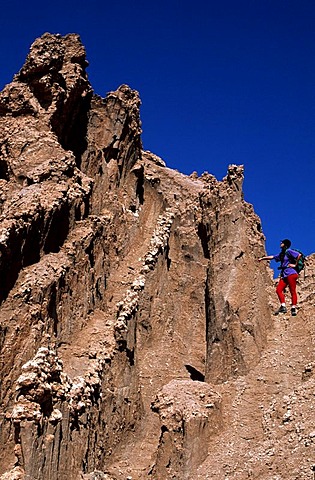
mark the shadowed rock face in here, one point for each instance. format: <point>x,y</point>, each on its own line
<point>131,299</point>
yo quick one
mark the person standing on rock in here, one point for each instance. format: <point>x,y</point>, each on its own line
<point>288,275</point>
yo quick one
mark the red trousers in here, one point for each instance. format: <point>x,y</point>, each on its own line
<point>290,282</point>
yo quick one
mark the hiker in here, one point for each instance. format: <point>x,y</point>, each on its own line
<point>288,262</point>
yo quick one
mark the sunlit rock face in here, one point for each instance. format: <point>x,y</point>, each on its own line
<point>134,315</point>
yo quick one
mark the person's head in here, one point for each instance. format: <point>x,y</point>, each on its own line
<point>285,243</point>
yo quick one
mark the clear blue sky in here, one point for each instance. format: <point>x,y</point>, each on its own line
<point>221,82</point>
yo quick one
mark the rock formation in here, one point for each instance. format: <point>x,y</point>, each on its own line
<point>137,339</point>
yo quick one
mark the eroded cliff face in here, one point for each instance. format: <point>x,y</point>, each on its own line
<point>130,293</point>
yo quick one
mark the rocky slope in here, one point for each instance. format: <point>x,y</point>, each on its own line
<point>137,339</point>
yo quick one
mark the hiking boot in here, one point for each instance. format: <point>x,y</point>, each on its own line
<point>293,311</point>
<point>282,309</point>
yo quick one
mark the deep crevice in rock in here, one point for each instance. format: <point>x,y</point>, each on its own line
<point>70,126</point>
<point>47,406</point>
<point>195,375</point>
<point>4,170</point>
<point>204,238</point>
<point>207,307</point>
<point>23,250</point>
<point>131,356</point>
<point>140,185</point>
<point>52,309</point>
<point>111,152</point>
<point>58,229</point>
<point>25,247</point>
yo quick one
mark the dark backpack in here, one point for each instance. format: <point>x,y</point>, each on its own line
<point>301,263</point>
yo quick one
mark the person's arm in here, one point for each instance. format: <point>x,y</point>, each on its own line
<point>269,257</point>
<point>293,265</point>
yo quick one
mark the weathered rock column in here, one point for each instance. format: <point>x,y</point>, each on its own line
<point>238,314</point>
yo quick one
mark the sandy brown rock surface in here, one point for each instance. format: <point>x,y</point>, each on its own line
<point>137,336</point>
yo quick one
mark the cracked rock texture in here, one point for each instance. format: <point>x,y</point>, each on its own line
<point>137,337</point>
